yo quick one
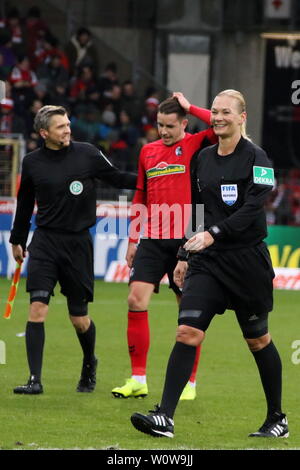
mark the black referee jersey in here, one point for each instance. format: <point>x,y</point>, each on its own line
<point>63,183</point>
<point>233,189</point>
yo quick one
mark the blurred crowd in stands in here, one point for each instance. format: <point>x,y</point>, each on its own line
<point>103,110</point>
<point>38,70</point>
<point>283,205</point>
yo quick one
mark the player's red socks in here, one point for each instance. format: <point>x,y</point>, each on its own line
<point>195,366</point>
<point>138,338</point>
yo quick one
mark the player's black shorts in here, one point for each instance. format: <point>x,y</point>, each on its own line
<point>155,258</point>
<point>239,280</point>
<point>61,257</point>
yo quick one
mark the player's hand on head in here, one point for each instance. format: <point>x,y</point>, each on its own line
<point>182,100</point>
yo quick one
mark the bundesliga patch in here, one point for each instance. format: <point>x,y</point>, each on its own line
<point>229,193</point>
<point>76,188</point>
<point>263,175</point>
<point>163,169</point>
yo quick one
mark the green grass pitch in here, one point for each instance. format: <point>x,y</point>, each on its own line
<point>229,403</point>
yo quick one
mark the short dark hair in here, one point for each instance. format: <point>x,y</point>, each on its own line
<point>171,105</point>
<point>43,116</point>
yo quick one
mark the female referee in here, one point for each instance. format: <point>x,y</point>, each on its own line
<point>229,266</point>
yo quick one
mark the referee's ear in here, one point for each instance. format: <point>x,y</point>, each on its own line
<point>43,133</point>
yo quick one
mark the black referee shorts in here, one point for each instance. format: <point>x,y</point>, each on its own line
<point>239,280</point>
<point>65,258</point>
<point>155,258</point>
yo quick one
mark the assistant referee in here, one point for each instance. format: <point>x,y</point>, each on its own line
<point>230,268</point>
<point>61,177</point>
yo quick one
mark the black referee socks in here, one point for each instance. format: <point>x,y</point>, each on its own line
<point>87,341</point>
<point>35,339</point>
<point>269,365</point>
<point>179,369</point>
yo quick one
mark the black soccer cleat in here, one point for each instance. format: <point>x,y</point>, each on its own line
<point>156,424</point>
<point>87,381</point>
<point>275,426</point>
<point>33,387</point>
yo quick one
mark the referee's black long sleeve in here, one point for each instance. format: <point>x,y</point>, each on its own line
<point>25,206</point>
<point>63,183</point>
<point>240,221</point>
<point>246,215</point>
<point>112,175</point>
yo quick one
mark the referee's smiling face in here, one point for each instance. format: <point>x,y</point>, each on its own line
<point>58,134</point>
<point>226,117</point>
<point>171,128</point>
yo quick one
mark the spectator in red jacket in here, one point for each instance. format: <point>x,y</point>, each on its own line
<point>23,80</point>
<point>35,30</point>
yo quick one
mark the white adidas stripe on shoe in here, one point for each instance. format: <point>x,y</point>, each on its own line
<point>276,426</point>
<point>156,424</point>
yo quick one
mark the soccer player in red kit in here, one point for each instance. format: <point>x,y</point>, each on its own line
<point>164,190</point>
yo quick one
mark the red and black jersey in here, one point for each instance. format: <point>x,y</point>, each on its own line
<point>164,184</point>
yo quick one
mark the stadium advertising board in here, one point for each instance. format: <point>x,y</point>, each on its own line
<point>284,247</point>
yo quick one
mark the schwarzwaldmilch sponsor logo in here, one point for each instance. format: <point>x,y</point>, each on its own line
<point>164,168</point>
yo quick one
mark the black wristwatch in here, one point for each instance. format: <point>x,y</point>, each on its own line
<point>214,231</point>
<point>182,254</point>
